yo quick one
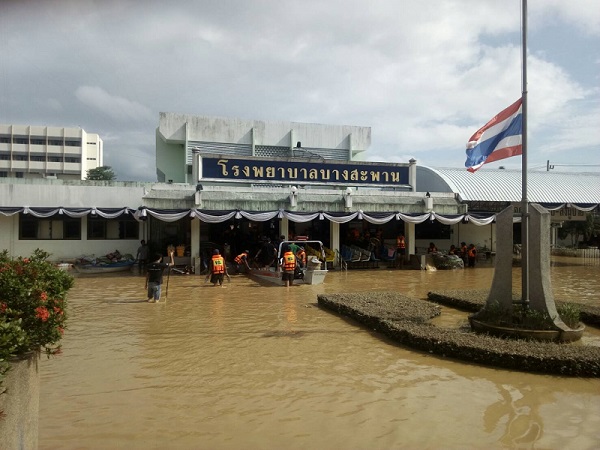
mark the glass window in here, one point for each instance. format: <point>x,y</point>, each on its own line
<point>124,227</point>
<point>56,227</point>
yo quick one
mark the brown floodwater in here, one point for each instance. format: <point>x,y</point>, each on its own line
<point>254,366</point>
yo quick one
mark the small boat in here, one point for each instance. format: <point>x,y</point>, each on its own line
<point>311,274</point>
<point>119,266</point>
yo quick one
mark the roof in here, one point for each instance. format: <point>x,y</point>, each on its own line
<point>502,185</point>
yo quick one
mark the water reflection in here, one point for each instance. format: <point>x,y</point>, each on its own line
<point>253,366</point>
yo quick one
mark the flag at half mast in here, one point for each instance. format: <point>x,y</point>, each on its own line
<point>498,139</point>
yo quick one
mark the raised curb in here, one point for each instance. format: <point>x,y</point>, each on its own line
<point>406,321</point>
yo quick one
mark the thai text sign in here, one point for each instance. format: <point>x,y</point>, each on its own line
<point>303,171</point>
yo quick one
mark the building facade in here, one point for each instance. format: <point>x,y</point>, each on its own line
<point>29,151</point>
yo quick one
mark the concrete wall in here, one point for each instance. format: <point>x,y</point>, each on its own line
<point>20,404</point>
<point>55,193</point>
<point>239,131</point>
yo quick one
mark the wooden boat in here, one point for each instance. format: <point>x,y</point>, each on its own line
<point>311,274</point>
<point>120,266</point>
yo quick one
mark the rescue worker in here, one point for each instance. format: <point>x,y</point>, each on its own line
<point>464,253</point>
<point>288,262</point>
<point>218,269</point>
<point>400,250</point>
<point>472,255</point>
<point>241,262</point>
<point>301,257</point>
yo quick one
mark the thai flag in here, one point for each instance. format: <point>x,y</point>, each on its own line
<point>498,139</point>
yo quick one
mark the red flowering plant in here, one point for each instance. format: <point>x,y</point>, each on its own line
<point>32,306</point>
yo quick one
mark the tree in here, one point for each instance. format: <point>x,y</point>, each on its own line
<point>587,230</point>
<point>101,173</point>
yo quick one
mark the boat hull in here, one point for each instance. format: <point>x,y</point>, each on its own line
<point>272,276</point>
<point>96,269</point>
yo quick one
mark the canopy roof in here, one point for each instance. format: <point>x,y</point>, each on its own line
<point>501,185</point>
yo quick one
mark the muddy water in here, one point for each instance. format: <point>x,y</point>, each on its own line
<point>251,366</point>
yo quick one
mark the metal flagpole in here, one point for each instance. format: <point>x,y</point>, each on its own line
<point>524,201</point>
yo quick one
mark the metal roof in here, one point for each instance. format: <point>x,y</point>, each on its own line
<point>502,185</point>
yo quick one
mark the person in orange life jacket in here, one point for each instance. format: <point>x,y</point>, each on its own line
<point>218,269</point>
<point>241,262</point>
<point>400,249</point>
<point>301,257</point>
<point>288,262</point>
<point>154,276</point>
<point>472,255</point>
<point>452,250</point>
<point>464,252</point>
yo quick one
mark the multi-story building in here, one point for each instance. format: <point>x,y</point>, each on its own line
<point>30,151</point>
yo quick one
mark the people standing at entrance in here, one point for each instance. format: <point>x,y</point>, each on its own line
<point>464,251</point>
<point>432,248</point>
<point>142,255</point>
<point>218,269</point>
<point>241,262</point>
<point>267,254</point>
<point>288,262</point>
<point>472,255</point>
<point>154,276</point>
<point>400,249</point>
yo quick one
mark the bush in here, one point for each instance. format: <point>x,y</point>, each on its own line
<point>32,306</point>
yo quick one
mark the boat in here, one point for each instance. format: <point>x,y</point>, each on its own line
<point>311,274</point>
<point>90,268</point>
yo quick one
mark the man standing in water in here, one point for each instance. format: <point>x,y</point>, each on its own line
<point>218,269</point>
<point>288,262</point>
<point>142,255</point>
<point>154,276</point>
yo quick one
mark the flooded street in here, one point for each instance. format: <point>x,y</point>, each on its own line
<point>255,366</point>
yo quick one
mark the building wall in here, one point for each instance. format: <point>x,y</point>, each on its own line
<point>28,151</point>
<point>240,137</point>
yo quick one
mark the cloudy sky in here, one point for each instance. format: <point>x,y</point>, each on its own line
<point>424,75</point>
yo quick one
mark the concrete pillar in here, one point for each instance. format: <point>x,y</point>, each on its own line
<point>195,245</point>
<point>334,233</point>
<point>409,236</point>
<point>284,227</point>
<point>501,290</point>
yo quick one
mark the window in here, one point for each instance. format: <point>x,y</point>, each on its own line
<point>20,140</point>
<point>37,140</point>
<point>58,142</point>
<point>432,230</point>
<point>125,227</point>
<point>4,139</point>
<point>3,174</point>
<point>19,174</point>
<point>4,156</point>
<point>55,227</point>
<point>72,142</point>
<point>72,160</point>
<point>37,158</point>
<point>54,159</point>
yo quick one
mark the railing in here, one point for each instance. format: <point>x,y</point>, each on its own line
<point>589,253</point>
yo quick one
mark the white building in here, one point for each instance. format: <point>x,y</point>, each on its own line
<point>30,151</point>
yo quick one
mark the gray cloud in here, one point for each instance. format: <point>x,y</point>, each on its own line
<point>423,75</point>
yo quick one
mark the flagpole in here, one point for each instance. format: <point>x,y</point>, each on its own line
<point>524,201</point>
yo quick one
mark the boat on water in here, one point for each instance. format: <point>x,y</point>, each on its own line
<point>119,266</point>
<point>311,274</point>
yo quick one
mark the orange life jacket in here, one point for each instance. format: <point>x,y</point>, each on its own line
<point>240,258</point>
<point>289,261</point>
<point>302,256</point>
<point>400,242</point>
<point>472,252</point>
<point>218,264</point>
